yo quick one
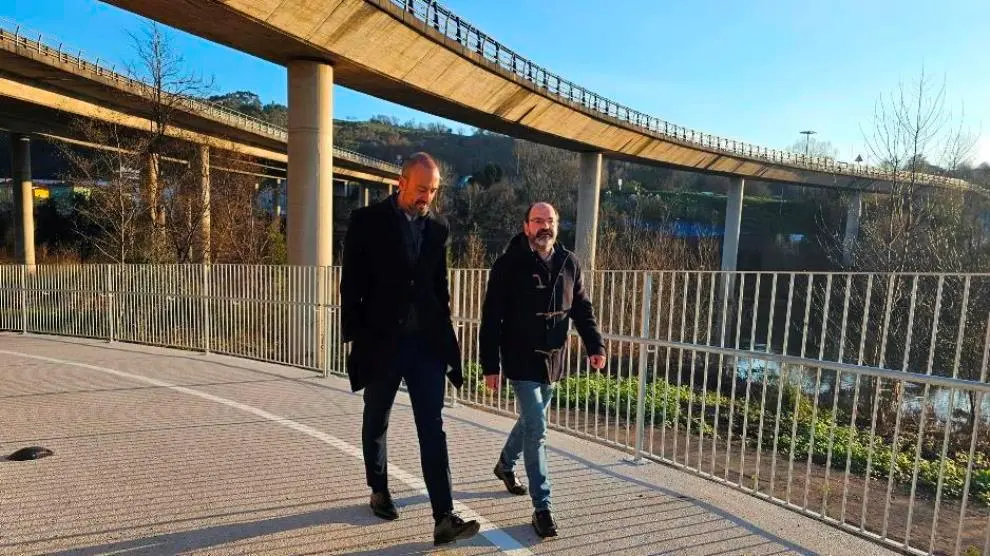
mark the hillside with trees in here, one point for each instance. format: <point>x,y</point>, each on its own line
<point>652,217</point>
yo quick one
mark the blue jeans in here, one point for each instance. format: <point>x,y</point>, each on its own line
<point>528,439</point>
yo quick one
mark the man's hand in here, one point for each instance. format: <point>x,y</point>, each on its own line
<point>597,361</point>
<point>493,382</point>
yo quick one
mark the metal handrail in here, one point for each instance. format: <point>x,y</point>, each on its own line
<point>432,15</point>
<point>11,31</point>
<point>742,424</point>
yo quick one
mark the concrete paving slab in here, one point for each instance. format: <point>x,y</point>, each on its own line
<point>163,452</point>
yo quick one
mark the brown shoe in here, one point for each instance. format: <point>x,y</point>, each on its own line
<point>509,479</point>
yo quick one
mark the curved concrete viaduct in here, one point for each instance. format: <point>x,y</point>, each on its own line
<point>419,54</point>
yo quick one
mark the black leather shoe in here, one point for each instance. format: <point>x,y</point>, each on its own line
<point>451,527</point>
<point>543,524</point>
<point>382,505</point>
<point>512,484</point>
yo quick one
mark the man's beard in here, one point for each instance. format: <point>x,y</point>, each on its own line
<point>422,207</point>
<point>544,240</point>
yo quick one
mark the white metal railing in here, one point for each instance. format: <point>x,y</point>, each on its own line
<point>857,399</point>
<point>430,14</point>
<point>16,35</point>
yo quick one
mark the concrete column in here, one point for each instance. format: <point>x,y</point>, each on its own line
<point>391,188</point>
<point>20,159</point>
<point>310,192</point>
<point>203,243</point>
<point>855,211</point>
<point>730,254</point>
<point>589,190</point>
<point>310,189</point>
<point>364,196</point>
<point>733,223</point>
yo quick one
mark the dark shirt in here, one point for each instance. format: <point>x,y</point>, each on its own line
<point>412,229</point>
<point>412,236</point>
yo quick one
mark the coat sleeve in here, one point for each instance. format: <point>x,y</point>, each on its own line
<point>584,317</point>
<point>353,282</point>
<point>440,282</point>
<point>492,315</point>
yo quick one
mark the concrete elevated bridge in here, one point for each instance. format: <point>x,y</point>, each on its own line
<point>422,55</point>
<point>45,89</point>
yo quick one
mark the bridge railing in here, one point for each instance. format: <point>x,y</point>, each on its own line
<point>34,41</point>
<point>861,400</point>
<point>433,15</point>
<point>366,160</point>
<point>15,34</point>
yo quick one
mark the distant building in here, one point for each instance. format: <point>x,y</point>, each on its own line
<point>43,190</point>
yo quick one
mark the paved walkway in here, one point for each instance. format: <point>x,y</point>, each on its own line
<point>162,452</point>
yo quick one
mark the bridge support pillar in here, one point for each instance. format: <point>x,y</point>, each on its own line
<point>730,250</point>
<point>310,174</point>
<point>733,223</point>
<point>854,211</point>
<point>20,157</point>
<point>364,195</point>
<point>589,190</point>
<point>310,197</point>
<point>204,239</point>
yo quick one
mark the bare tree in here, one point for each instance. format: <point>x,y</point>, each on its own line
<point>145,202</point>
<point>112,216</point>
<point>627,246</point>
<point>917,227</point>
<point>913,134</point>
<point>169,193</point>
<point>182,204</point>
<point>548,174</point>
<point>243,232</point>
<point>170,85</point>
<point>814,147</point>
<point>474,254</point>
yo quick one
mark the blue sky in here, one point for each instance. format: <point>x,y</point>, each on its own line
<point>758,71</point>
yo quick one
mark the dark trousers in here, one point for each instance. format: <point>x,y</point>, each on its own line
<point>424,375</point>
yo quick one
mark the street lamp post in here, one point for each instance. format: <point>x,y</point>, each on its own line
<point>807,143</point>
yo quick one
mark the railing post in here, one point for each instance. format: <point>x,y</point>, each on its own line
<point>24,309</point>
<point>327,320</point>
<point>207,332</point>
<point>111,304</point>
<point>643,359</point>
<point>455,311</point>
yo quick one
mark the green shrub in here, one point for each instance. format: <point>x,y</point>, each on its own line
<point>668,404</point>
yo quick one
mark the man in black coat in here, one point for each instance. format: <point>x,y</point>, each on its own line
<point>395,311</point>
<point>535,288</point>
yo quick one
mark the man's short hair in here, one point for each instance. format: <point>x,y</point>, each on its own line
<point>529,209</point>
<point>415,160</point>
